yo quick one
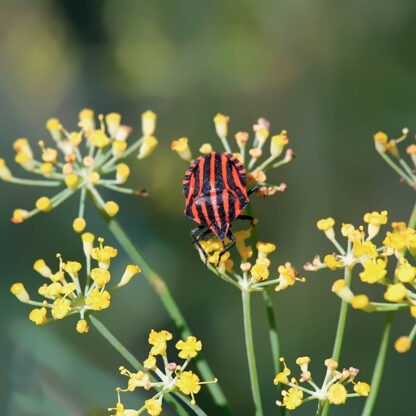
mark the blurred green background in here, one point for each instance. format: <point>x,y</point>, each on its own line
<point>331,73</point>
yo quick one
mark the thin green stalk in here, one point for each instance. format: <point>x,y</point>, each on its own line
<point>33,182</point>
<point>251,357</point>
<point>339,337</point>
<point>161,289</point>
<point>379,367</point>
<point>129,357</point>
<point>382,352</point>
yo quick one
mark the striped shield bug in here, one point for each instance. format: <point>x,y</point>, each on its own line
<point>215,195</point>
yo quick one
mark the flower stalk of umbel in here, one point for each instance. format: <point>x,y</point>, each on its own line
<point>166,377</point>
<point>82,160</point>
<point>251,271</point>
<point>251,152</point>
<point>74,288</point>
<point>398,244</point>
<point>389,150</point>
<point>334,389</point>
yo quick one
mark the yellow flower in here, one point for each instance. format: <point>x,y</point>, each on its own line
<point>206,148</point>
<point>331,262</point>
<point>181,147</point>
<point>395,293</point>
<point>337,394</point>
<point>100,276</point>
<point>405,272</point>
<point>97,300</point>
<point>103,254</point>
<point>111,208</point>
<point>360,302</point>
<point>79,225</point>
<point>259,272</point>
<point>82,326</point>
<point>403,344</point>
<point>20,292</point>
<point>221,125</point>
<point>148,146</point>
<point>150,362</point>
<point>277,143</point>
<point>188,383</point>
<point>158,340</point>
<point>61,308</point>
<point>113,121</point>
<point>375,220</point>
<point>99,138</point>
<point>148,123</point>
<point>189,348</point>
<point>327,226</point>
<point>72,181</point>
<point>129,273</point>
<point>364,249</point>
<point>293,398</point>
<point>363,389</point>
<point>374,271</point>
<point>122,172</point>
<point>44,204</point>
<point>153,407</point>
<point>287,276</point>
<point>265,248</point>
<point>19,215</point>
<point>38,316</point>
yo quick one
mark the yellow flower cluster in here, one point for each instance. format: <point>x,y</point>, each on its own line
<point>389,151</point>
<point>372,260</point>
<point>63,290</point>
<point>172,377</point>
<point>334,389</point>
<point>253,275</point>
<point>249,154</point>
<point>81,160</point>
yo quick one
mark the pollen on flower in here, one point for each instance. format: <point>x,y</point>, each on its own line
<point>189,348</point>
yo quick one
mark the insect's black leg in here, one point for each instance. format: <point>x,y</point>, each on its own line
<point>195,231</point>
<point>253,221</point>
<point>199,238</point>
<point>230,235</point>
<point>253,189</point>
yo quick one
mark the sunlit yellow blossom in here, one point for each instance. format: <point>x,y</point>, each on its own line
<point>363,389</point>
<point>221,124</point>
<point>337,394</point>
<point>188,383</point>
<point>148,123</point>
<point>364,249</point>
<point>79,225</point>
<point>287,276</point>
<point>360,302</point>
<point>405,272</point>
<point>189,348</point>
<point>327,225</point>
<point>150,362</point>
<point>129,273</point>
<point>277,143</point>
<point>206,148</point>
<point>293,398</point>
<point>99,138</point>
<point>158,341</point>
<point>331,262</point>
<point>374,270</point>
<point>38,316</point>
<point>395,293</point>
<point>148,146</point>
<point>111,208</point>
<point>97,300</point>
<point>259,272</point>
<point>44,204</point>
<point>72,181</point>
<point>20,292</point>
<point>82,326</point>
<point>61,308</point>
<point>153,407</point>
<point>403,344</point>
<point>181,147</point>
<point>100,276</point>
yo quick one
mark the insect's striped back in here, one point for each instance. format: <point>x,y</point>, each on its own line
<point>214,188</point>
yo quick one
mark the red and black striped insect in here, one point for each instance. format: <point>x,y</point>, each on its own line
<point>215,195</point>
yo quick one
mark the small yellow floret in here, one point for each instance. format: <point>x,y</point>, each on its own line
<point>79,225</point>
<point>44,204</point>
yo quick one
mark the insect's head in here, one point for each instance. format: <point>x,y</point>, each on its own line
<point>220,229</point>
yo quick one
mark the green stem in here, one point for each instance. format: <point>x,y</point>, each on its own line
<point>129,357</point>
<point>339,337</point>
<point>33,182</point>
<point>248,331</point>
<point>273,335</point>
<point>161,289</point>
<point>379,367</point>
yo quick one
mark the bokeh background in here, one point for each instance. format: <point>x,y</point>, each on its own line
<point>331,73</point>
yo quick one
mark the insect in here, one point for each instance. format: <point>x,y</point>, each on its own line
<point>215,195</point>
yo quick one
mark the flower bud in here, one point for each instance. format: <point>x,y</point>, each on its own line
<point>148,146</point>
<point>148,123</point>
<point>181,147</point>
